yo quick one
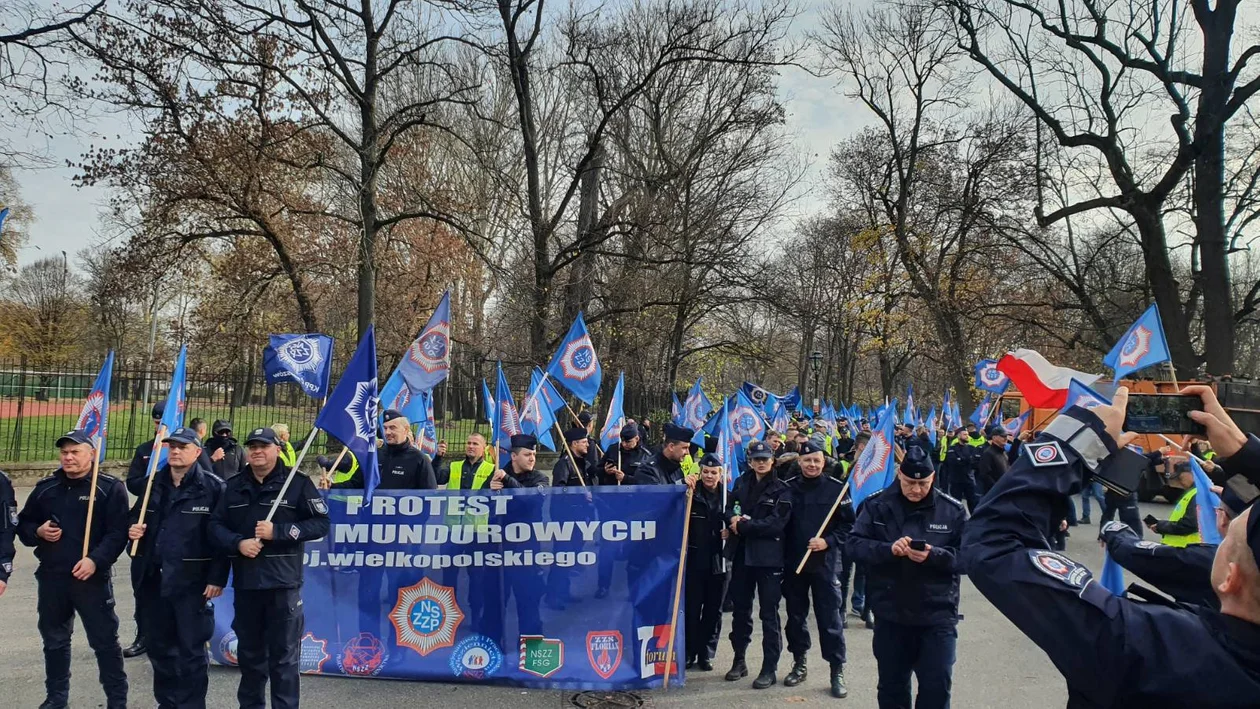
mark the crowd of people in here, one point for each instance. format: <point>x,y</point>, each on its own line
<point>785,531</point>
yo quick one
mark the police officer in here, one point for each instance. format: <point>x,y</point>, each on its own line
<point>8,529</point>
<point>665,466</point>
<point>137,476</point>
<point>525,584</point>
<point>757,511</point>
<point>627,455</point>
<point>991,464</point>
<point>182,571</point>
<point>908,536</point>
<point>267,568</point>
<point>564,474</point>
<point>402,466</point>
<point>813,495</point>
<point>706,565</point>
<point>959,468</point>
<point>54,522</point>
<point>520,470</point>
<point>1182,526</point>
<point>1112,651</point>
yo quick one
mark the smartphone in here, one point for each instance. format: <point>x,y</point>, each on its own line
<point>1163,413</point>
<point>918,544</point>
<point>1149,519</point>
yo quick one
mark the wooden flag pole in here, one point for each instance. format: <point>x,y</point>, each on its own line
<point>292,471</point>
<point>1173,371</point>
<point>835,506</point>
<point>96,469</point>
<point>670,663</point>
<point>148,486</point>
<point>333,469</point>
<point>568,450</point>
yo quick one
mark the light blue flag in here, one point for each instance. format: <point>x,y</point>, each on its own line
<point>1208,503</point>
<point>931,426</point>
<point>487,401</point>
<point>353,409</point>
<point>782,419</point>
<point>1015,426</point>
<point>610,434</point>
<point>989,379</point>
<point>575,365</point>
<point>1083,396</point>
<point>697,407</point>
<point>428,360</point>
<point>398,396</point>
<point>4,214</point>
<point>1143,345</point>
<point>507,420</point>
<point>1112,576</point>
<point>176,401</point>
<point>874,469</point>
<point>537,416</point>
<point>981,415</point>
<point>745,419</point>
<point>676,410</point>
<point>94,418</point>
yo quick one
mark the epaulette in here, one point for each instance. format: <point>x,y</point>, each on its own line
<point>955,501</point>
<point>875,494</point>
<point>792,479</point>
<point>210,474</point>
<point>50,479</point>
<point>106,477</point>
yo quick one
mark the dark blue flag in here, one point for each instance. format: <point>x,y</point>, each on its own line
<point>305,359</point>
<point>94,418</point>
<point>353,407</point>
<point>428,360</point>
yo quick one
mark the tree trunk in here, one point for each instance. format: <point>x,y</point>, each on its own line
<point>1164,287</point>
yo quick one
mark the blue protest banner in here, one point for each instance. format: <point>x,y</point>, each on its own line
<point>491,587</point>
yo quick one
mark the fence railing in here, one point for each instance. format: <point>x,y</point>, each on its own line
<point>39,404</point>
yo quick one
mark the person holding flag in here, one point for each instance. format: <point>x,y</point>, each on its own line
<point>908,535</point>
<point>573,469</point>
<point>402,466</point>
<point>757,509</point>
<point>55,523</point>
<point>706,566</point>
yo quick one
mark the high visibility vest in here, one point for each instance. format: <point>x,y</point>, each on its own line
<point>288,456</point>
<point>977,442</point>
<point>480,475</point>
<point>688,466</point>
<point>339,477</point>
<point>948,443</point>
<point>829,439</point>
<point>1209,455</point>
<point>1179,511</point>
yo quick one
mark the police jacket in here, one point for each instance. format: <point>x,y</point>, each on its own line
<point>301,517</point>
<point>64,500</point>
<point>1112,651</point>
<point>959,459</point>
<point>140,461</point>
<point>704,538</point>
<point>532,478</point>
<point>658,470</point>
<point>176,544</point>
<point>812,499</point>
<point>1181,572</point>
<point>897,588</point>
<point>564,474</point>
<point>233,462</point>
<point>8,525</point>
<point>1188,524</point>
<point>629,461</point>
<point>402,467</point>
<point>766,506</point>
<point>992,463</point>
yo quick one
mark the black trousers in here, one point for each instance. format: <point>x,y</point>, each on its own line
<point>927,651</point>
<point>705,591</point>
<point>1127,507</point>
<point>60,598</point>
<point>269,626</point>
<point>137,581</point>
<point>823,587</point>
<point>178,629</point>
<point>766,583</point>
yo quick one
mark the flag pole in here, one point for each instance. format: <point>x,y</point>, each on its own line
<point>333,468</point>
<point>292,471</point>
<point>835,506</point>
<point>96,469</point>
<point>618,444</point>
<point>678,588</point>
<point>148,486</point>
<point>569,450</point>
<point>1173,371</point>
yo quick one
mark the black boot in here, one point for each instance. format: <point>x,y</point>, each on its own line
<point>798,674</point>
<point>838,690</point>
<point>766,678</point>
<point>691,662</point>
<point>137,648</point>
<point>739,669</point>
<point>869,617</point>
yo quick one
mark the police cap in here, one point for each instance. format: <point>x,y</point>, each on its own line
<point>809,447</point>
<point>674,432</point>
<point>185,436</point>
<point>915,465</point>
<point>629,431</point>
<point>758,450</point>
<point>158,409</point>
<point>75,437</point>
<point>391,414</point>
<point>263,435</point>
<point>574,435</point>
<point>524,440</point>
<point>711,461</point>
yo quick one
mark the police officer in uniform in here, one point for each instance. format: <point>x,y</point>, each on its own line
<point>526,583</point>
<point>54,521</point>
<point>182,571</point>
<point>626,456</point>
<point>757,510</point>
<point>8,529</point>
<point>137,476</point>
<point>665,467</point>
<point>991,463</point>
<point>706,565</point>
<point>959,468</point>
<point>908,536</point>
<point>267,568</point>
<point>1112,651</point>
<point>402,466</point>
<point>813,494</point>
<point>564,474</point>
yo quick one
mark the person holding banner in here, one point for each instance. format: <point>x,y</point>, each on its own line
<point>757,509</point>
<point>706,566</point>
<point>55,522</point>
<point>8,529</point>
<point>182,571</point>
<point>267,568</point>
<point>814,497</point>
<point>908,536</point>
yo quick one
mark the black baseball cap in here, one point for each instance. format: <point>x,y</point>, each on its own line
<point>76,436</point>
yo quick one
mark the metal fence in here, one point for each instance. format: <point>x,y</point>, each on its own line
<point>39,404</point>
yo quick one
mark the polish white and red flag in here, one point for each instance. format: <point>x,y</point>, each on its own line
<point>1044,385</point>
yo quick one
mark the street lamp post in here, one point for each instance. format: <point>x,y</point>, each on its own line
<point>815,363</point>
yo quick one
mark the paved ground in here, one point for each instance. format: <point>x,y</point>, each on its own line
<point>997,666</point>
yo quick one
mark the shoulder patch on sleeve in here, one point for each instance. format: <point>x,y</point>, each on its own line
<point>318,506</point>
<point>1060,568</point>
<point>1148,544</point>
<point>1045,454</point>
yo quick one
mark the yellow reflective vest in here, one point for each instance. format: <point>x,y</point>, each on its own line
<point>288,456</point>
<point>1179,512</point>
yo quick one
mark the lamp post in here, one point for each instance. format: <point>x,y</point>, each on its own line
<point>815,363</point>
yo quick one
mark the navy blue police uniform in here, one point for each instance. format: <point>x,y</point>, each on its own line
<point>63,500</point>
<point>559,591</point>
<point>764,506</point>
<point>706,571</point>
<point>137,475</point>
<point>812,500</point>
<point>178,561</point>
<point>8,526</point>
<point>915,603</point>
<point>1112,651</point>
<point>959,471</point>
<point>627,460</point>
<point>526,584</point>
<point>268,588</point>
<point>402,466</point>
<point>565,474</point>
<point>1184,573</point>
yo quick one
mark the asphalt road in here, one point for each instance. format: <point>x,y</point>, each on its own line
<point>997,666</point>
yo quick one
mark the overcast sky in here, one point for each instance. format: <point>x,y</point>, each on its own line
<point>68,218</point>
